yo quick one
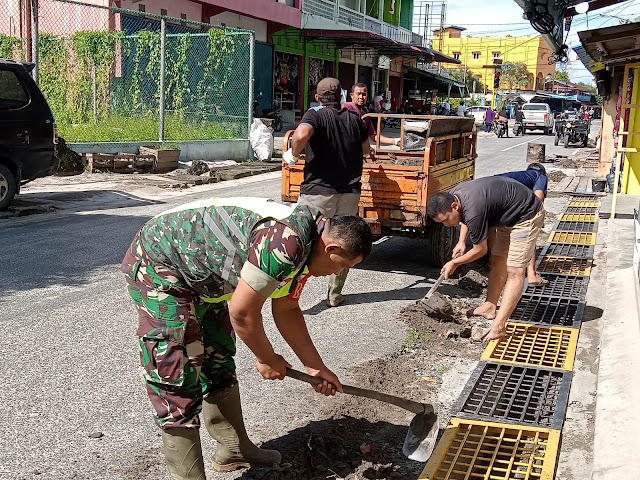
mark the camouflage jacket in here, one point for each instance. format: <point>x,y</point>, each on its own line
<point>208,243</point>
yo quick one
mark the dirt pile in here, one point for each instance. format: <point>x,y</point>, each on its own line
<point>556,175</point>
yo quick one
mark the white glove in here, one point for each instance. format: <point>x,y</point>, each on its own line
<point>289,157</point>
<point>397,141</point>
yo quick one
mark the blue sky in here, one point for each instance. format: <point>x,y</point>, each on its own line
<point>502,17</point>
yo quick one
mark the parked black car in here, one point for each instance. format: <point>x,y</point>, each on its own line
<point>28,133</point>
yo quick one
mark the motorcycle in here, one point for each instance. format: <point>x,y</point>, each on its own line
<point>518,129</point>
<point>502,129</point>
<point>573,131</point>
<point>270,113</point>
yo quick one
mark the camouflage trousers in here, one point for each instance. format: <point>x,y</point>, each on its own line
<point>186,345</point>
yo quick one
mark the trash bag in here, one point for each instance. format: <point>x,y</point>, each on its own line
<point>261,140</point>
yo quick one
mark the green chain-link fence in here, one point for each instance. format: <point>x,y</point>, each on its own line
<point>116,75</point>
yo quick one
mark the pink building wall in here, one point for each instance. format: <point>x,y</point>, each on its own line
<point>174,8</point>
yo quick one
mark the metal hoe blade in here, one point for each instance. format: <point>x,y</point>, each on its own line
<point>421,437</point>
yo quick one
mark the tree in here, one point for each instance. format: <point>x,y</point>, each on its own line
<point>562,76</point>
<point>459,76</point>
<point>514,74</point>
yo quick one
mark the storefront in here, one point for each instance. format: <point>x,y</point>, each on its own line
<point>617,72</point>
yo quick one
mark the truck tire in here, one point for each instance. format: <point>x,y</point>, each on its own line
<point>7,187</point>
<point>440,242</point>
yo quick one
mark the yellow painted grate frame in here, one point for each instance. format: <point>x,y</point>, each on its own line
<point>473,449</point>
<point>564,265</point>
<point>576,238</point>
<point>527,344</point>
<point>584,203</point>
<point>578,217</point>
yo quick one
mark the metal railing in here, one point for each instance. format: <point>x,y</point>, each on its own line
<point>332,10</point>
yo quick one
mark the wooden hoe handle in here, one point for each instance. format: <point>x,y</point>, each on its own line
<point>404,403</point>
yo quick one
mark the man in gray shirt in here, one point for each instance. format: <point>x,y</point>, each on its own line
<point>500,214</point>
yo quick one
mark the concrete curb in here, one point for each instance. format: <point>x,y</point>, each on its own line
<point>617,420</point>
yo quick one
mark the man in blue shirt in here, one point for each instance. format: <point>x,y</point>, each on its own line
<point>534,178</point>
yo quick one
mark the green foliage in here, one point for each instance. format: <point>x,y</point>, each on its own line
<point>562,76</point>
<point>459,76</point>
<point>516,75</point>
<point>412,338</point>
<point>201,72</point>
<point>116,128</point>
<point>94,55</point>
<point>11,47</point>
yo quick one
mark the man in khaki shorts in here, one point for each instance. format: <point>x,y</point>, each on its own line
<point>334,140</point>
<point>500,214</point>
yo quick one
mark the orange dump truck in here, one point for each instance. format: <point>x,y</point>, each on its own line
<point>436,153</point>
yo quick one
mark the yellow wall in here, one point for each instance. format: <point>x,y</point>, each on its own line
<point>631,177</point>
<point>532,50</point>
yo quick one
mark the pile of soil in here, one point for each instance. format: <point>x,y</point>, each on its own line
<point>566,163</point>
<point>406,162</point>
<point>556,175</point>
<point>198,168</point>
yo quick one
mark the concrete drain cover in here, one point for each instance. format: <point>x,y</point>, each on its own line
<point>576,226</point>
<point>582,238</point>
<point>536,345</point>
<point>476,449</point>
<point>566,265</point>
<point>568,250</point>
<point>566,312</point>
<point>511,393</point>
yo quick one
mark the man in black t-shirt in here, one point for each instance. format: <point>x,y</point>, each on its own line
<point>334,140</point>
<point>517,215</point>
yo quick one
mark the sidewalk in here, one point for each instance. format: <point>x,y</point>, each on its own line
<point>617,420</point>
<point>600,435</point>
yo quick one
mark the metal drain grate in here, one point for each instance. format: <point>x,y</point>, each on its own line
<point>512,393</point>
<point>568,286</point>
<point>473,449</point>
<point>593,210</point>
<point>565,265</point>
<point>566,312</point>
<point>568,250</point>
<point>552,347</point>
<point>584,203</point>
<point>583,238</point>
<point>576,226</point>
<point>578,217</point>
<point>583,196</point>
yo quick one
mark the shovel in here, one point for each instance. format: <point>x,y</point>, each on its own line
<point>423,430</point>
<point>438,306</point>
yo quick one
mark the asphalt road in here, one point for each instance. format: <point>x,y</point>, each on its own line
<point>70,364</point>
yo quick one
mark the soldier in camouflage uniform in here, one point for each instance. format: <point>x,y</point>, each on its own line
<point>200,273</point>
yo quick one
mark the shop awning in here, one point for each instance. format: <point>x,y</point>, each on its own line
<point>432,81</point>
<point>435,76</point>
<point>612,45</point>
<point>383,45</point>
